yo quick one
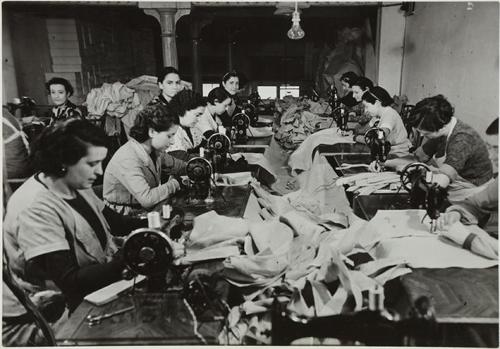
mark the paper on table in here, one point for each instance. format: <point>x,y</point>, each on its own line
<point>111,292</point>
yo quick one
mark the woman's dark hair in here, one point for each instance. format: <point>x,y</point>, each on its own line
<point>363,82</point>
<point>184,101</point>
<point>229,75</point>
<point>431,113</point>
<point>165,71</point>
<point>64,144</point>
<point>155,116</point>
<point>378,94</point>
<point>218,94</point>
<point>60,81</point>
<point>349,77</point>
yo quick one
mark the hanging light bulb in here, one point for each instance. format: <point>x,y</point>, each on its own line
<point>296,32</point>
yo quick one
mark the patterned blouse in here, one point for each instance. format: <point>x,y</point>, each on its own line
<point>65,111</point>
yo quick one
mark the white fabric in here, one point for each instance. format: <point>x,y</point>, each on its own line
<point>302,158</point>
<point>206,122</point>
<point>182,141</point>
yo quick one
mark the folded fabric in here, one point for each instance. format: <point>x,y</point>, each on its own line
<point>472,238</point>
<point>271,235</point>
<point>219,250</point>
<point>259,132</point>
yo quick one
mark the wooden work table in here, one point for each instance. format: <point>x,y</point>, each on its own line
<point>465,300</point>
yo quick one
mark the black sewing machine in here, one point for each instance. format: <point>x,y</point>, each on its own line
<point>333,99</point>
<point>241,122</point>
<point>218,146</point>
<point>150,252</point>
<point>379,146</point>
<point>199,170</point>
<point>341,118</point>
<point>374,325</point>
<point>416,178</point>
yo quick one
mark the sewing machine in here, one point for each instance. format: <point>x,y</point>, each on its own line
<point>199,170</point>
<point>373,325</point>
<point>341,118</point>
<point>379,146</point>
<point>416,178</point>
<point>218,146</point>
<point>333,99</point>
<point>241,122</point>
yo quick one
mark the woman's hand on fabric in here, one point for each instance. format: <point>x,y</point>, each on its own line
<point>375,166</point>
<point>447,219</point>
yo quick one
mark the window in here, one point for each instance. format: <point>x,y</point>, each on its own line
<point>287,90</point>
<point>266,92</point>
<point>208,87</point>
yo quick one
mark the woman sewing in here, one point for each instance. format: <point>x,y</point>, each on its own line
<point>231,83</point>
<point>133,177</point>
<point>188,106</point>
<point>218,101</point>
<point>458,153</point>
<point>377,103</point>
<point>60,90</point>
<point>65,234</point>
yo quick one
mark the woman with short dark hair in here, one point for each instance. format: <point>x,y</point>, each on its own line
<point>230,82</point>
<point>218,100</point>
<point>169,82</point>
<point>58,230</point>
<point>347,80</point>
<point>377,103</point>
<point>456,148</point>
<point>187,106</point>
<point>60,90</point>
<point>132,181</point>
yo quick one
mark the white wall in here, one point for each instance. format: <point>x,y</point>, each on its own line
<point>454,51</point>
<point>391,37</point>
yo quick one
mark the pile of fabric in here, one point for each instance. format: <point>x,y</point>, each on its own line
<point>116,103</point>
<point>299,119</point>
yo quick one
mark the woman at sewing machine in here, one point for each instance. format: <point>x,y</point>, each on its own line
<point>218,101</point>
<point>169,83</point>
<point>347,80</point>
<point>231,83</point>
<point>360,86</point>
<point>377,103</point>
<point>133,177</point>
<point>188,106</point>
<point>64,231</point>
<point>458,154</point>
<point>60,90</point>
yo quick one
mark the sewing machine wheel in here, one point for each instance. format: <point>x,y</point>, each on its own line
<point>409,172</point>
<point>218,142</point>
<point>198,169</point>
<point>148,251</point>
<point>250,111</point>
<point>241,120</point>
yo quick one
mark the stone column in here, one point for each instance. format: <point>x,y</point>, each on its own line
<point>167,14</point>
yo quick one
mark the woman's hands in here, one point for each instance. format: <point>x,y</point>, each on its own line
<point>375,166</point>
<point>447,219</point>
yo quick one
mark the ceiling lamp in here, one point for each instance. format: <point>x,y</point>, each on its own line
<point>296,32</point>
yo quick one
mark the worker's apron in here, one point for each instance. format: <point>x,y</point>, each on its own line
<point>460,188</point>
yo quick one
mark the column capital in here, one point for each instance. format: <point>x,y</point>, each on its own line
<point>160,10</point>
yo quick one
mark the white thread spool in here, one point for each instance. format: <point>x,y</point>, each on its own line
<point>222,130</point>
<point>166,209</point>
<point>154,220</point>
<point>202,152</point>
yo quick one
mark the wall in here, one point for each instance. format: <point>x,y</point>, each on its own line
<point>9,85</point>
<point>454,51</point>
<point>390,39</point>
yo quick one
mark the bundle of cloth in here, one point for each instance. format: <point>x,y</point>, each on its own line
<point>298,119</point>
<point>116,102</point>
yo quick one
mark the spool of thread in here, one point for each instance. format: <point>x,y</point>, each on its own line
<point>154,220</point>
<point>166,209</point>
<point>222,130</point>
<point>202,152</point>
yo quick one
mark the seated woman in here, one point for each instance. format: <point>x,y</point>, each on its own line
<point>218,100</point>
<point>188,106</point>
<point>65,233</point>
<point>132,180</point>
<point>169,83</point>
<point>456,149</point>
<point>359,87</point>
<point>347,80</point>
<point>377,104</point>
<point>231,83</point>
<point>60,90</point>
